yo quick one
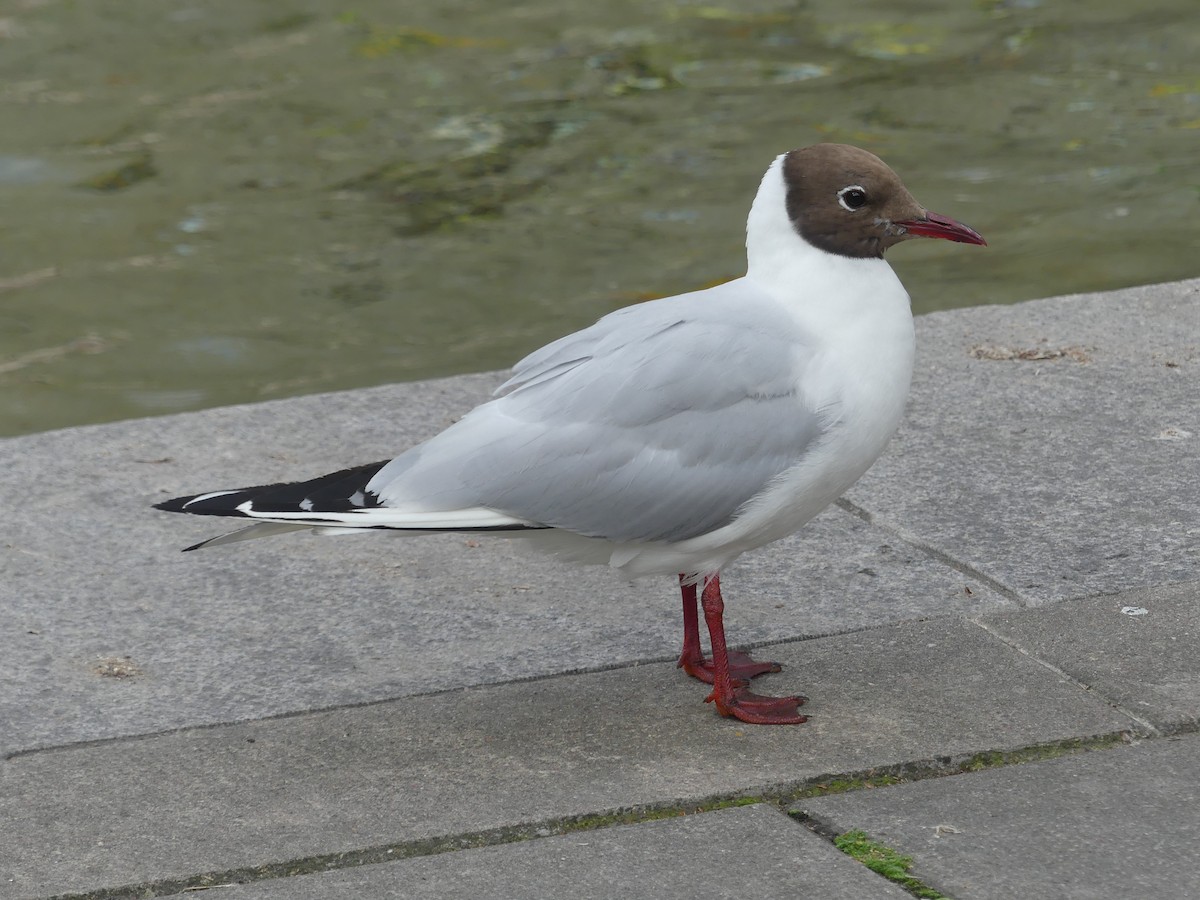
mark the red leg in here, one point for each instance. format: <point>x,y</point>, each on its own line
<point>742,666</point>
<point>733,699</point>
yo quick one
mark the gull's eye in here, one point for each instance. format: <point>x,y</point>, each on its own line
<point>852,198</point>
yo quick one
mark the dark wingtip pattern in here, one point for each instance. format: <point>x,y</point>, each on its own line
<point>175,504</point>
<point>336,492</point>
<point>220,505</point>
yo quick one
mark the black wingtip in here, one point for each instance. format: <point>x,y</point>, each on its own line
<point>342,491</point>
<point>175,504</point>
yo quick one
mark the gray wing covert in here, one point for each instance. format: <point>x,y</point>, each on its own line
<point>657,423</point>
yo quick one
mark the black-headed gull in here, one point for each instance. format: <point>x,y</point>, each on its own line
<point>673,436</point>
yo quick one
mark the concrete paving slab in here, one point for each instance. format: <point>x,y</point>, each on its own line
<point>1105,825</point>
<point>753,851</point>
<point>1057,475</point>
<point>217,799</point>
<point>1139,649</point>
<point>92,573</point>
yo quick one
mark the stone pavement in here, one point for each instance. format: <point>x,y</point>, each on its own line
<point>1008,599</point>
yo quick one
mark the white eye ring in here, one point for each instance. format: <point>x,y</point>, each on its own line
<point>860,200</point>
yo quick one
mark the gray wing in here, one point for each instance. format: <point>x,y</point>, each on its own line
<point>657,423</point>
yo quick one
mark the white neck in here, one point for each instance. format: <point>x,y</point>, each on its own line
<point>784,263</point>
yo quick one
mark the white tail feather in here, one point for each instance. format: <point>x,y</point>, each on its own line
<point>382,517</point>
<point>410,523</point>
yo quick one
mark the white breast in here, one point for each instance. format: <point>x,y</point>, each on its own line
<point>859,380</point>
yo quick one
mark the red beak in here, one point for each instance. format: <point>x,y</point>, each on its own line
<point>936,226</point>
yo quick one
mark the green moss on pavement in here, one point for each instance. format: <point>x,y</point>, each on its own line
<point>885,861</point>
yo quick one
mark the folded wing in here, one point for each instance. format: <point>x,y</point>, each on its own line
<point>656,424</point>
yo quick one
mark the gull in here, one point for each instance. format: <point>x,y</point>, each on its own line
<point>673,436</point>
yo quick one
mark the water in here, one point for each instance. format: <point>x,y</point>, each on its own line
<point>228,201</point>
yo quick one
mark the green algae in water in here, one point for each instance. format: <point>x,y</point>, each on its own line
<point>124,176</point>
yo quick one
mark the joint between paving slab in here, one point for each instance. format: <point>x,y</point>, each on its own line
<point>904,880</point>
<point>1144,725</point>
<point>508,834</point>
<point>781,796</point>
<point>458,689</point>
<point>913,884</point>
<point>928,549</point>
